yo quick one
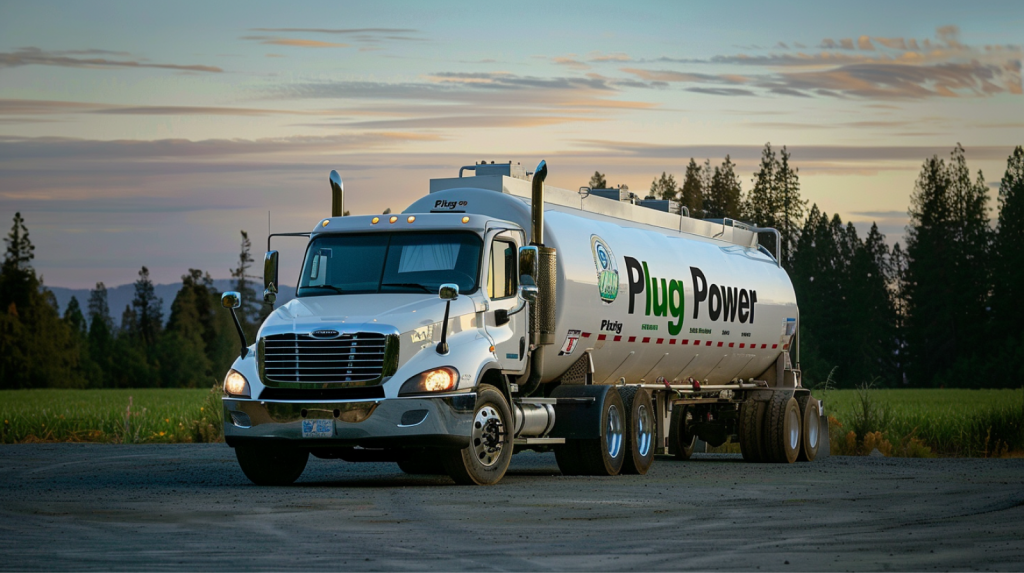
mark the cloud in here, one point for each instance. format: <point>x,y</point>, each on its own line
<point>20,107</point>
<point>36,56</point>
<point>570,61</point>
<point>895,69</point>
<point>469,121</point>
<point>294,42</point>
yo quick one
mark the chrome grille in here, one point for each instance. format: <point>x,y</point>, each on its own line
<point>355,357</point>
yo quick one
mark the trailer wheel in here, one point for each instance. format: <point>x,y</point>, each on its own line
<point>486,458</point>
<point>751,431</point>
<point>637,404</point>
<point>604,456</point>
<point>270,465</point>
<point>782,428</point>
<point>423,462</point>
<point>681,440</point>
<point>810,428</point>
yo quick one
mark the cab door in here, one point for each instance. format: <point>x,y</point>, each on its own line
<point>502,288</point>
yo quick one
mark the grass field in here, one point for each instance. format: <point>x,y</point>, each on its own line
<point>966,423</point>
<point>131,416</point>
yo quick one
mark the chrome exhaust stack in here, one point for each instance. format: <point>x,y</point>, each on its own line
<point>337,195</point>
<point>542,266</point>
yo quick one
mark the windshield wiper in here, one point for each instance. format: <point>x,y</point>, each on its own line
<point>414,285</point>
<point>330,287</point>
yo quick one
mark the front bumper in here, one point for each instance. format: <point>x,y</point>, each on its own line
<point>444,421</point>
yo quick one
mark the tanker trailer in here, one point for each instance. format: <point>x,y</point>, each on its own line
<point>600,328</point>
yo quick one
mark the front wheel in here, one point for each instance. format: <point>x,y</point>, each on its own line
<point>271,465</point>
<point>486,458</point>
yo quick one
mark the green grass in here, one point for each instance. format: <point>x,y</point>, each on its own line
<point>962,423</point>
<point>119,416</point>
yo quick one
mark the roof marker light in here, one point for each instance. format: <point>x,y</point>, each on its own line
<point>465,220</point>
<point>324,224</point>
<point>392,219</point>
<point>411,219</point>
<point>375,220</point>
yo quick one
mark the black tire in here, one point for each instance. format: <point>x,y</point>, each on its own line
<point>485,460</point>
<point>782,428</point>
<point>271,465</point>
<point>680,440</point>
<point>426,462</point>
<point>640,434</point>
<point>751,431</point>
<point>604,456</point>
<point>570,463</point>
<point>810,428</point>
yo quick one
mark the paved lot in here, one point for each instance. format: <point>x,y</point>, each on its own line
<point>187,507</point>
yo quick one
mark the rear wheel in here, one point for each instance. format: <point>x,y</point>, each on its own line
<point>637,404</point>
<point>782,428</point>
<point>486,458</point>
<point>681,439</point>
<point>811,430</point>
<point>271,465</point>
<point>751,431</point>
<point>605,455</point>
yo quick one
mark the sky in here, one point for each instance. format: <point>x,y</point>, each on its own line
<point>150,134</point>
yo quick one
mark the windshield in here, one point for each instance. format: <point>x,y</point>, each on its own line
<point>390,262</point>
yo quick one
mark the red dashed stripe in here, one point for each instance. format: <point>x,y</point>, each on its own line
<point>741,345</point>
<point>774,346</point>
<point>696,343</point>
<point>673,341</point>
<point>709,343</point>
<point>763,346</point>
<point>646,339</point>
<point>585,335</point>
<point>731,344</point>
<point>719,344</point>
<point>632,339</point>
<point>661,340</point>
<point>602,337</point>
<point>617,338</point>
<point>684,342</point>
<point>785,347</point>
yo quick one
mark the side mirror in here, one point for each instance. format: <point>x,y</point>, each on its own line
<point>448,291</point>
<point>529,261</point>
<point>270,277</point>
<point>231,299</point>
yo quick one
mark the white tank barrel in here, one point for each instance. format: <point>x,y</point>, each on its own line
<point>648,301</point>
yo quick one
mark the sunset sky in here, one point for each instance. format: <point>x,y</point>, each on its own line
<point>141,134</point>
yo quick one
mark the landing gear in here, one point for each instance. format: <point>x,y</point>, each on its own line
<point>486,458</point>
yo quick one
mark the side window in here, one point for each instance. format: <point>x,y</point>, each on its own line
<point>501,273</point>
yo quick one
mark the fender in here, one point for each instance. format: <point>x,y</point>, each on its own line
<point>579,420</point>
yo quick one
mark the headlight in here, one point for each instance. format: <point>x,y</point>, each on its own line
<point>431,381</point>
<point>236,385</point>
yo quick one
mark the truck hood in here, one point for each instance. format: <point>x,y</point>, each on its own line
<point>355,312</point>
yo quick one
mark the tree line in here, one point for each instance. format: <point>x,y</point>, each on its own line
<point>87,348</point>
<point>943,309</point>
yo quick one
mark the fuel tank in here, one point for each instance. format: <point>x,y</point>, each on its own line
<point>647,300</point>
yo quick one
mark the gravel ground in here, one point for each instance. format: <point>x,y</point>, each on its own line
<point>188,507</point>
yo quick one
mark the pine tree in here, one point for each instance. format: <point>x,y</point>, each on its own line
<point>249,312</point>
<point>724,197</point>
<point>691,193</point>
<point>101,338</point>
<point>149,316</point>
<point>74,317</point>
<point>17,278</point>
<point>1008,256</point>
<point>597,181</point>
<point>182,349</point>
<point>791,206</point>
<point>665,187</point>
<point>947,279</point>
<point>762,201</point>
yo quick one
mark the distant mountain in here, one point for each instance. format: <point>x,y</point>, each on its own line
<point>120,296</point>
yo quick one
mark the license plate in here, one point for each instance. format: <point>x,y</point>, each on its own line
<point>317,428</point>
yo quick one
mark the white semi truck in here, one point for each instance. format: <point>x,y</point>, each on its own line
<point>496,314</point>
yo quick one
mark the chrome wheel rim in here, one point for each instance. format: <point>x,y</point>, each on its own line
<point>488,436</point>
<point>614,432</point>
<point>794,430</point>
<point>644,433</point>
